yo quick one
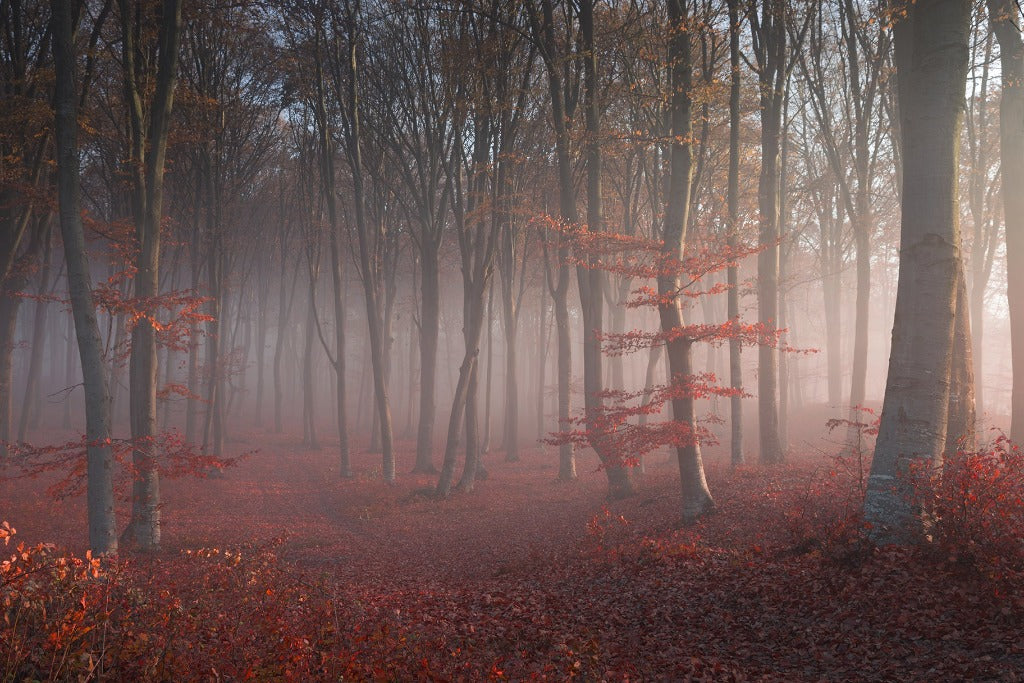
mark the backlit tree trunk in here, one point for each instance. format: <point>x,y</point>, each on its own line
<point>932,59</point>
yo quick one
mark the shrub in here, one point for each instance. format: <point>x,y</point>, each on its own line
<point>975,507</point>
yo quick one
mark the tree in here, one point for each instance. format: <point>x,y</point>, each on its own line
<point>679,349</point>
<point>346,81</point>
<point>733,200</point>
<point>25,141</point>
<point>1005,23</point>
<point>149,116</point>
<point>563,85</point>
<point>921,416</point>
<point>862,62</point>
<point>100,493</point>
<point>775,53</point>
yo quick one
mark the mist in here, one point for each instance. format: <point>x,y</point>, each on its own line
<point>546,340</point>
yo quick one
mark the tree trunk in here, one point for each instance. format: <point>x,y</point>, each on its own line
<point>696,498</point>
<point>485,444</point>
<point>591,280</point>
<point>9,304</point>
<point>148,150</point>
<point>772,76</point>
<point>733,200</point>
<point>831,267</point>
<point>30,405</point>
<point>429,328</point>
<point>309,439</point>
<point>1005,22</point>
<point>99,460</point>
<point>542,358</point>
<point>261,349</point>
<point>69,365</point>
<point>932,61</point>
<point>338,285</point>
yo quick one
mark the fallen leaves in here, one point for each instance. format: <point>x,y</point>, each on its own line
<point>274,572</point>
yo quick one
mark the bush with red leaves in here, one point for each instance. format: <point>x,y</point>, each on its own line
<point>975,505</point>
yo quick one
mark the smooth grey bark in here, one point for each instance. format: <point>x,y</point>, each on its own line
<point>542,358</point>
<point>99,461</point>
<point>932,61</point>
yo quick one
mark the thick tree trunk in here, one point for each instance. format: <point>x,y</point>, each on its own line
<point>451,449</point>
<point>932,60</point>
<point>379,331</point>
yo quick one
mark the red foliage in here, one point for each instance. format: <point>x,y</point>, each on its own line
<point>281,571</point>
<point>175,458</point>
<point>612,425</point>
<point>975,503</point>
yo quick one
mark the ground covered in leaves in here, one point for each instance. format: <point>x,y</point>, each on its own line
<point>281,569</point>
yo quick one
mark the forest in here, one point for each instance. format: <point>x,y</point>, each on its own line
<point>466,340</point>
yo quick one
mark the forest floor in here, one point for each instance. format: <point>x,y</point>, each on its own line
<point>280,569</point>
